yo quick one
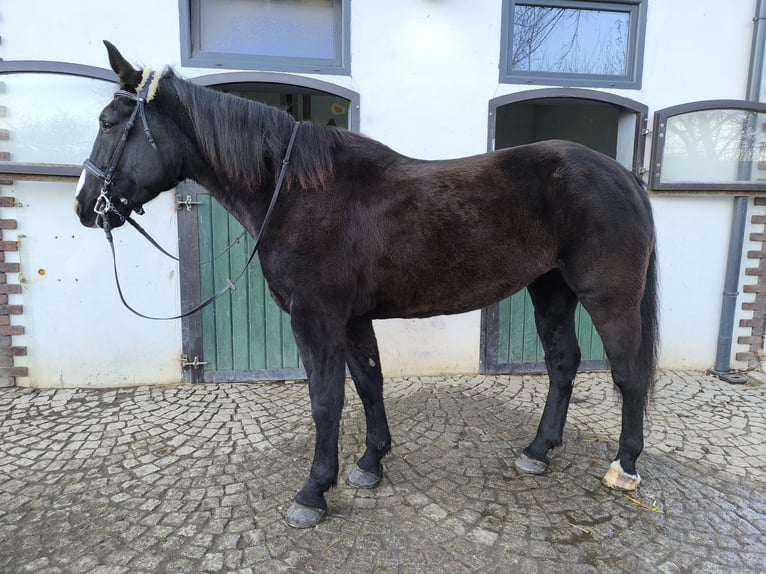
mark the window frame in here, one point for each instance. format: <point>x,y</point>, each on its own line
<point>658,148</point>
<point>340,65</point>
<point>635,55</point>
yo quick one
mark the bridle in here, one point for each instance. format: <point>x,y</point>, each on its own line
<point>105,201</point>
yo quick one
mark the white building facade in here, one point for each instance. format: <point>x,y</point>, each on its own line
<point>431,79</point>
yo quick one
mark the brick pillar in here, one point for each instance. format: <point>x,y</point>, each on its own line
<point>756,323</point>
<point>8,370</point>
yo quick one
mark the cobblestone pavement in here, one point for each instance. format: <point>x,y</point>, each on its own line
<point>197,478</point>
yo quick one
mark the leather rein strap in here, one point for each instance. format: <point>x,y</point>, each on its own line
<point>104,205</point>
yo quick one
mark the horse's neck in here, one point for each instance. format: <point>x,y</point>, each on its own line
<point>245,200</point>
<point>247,206</point>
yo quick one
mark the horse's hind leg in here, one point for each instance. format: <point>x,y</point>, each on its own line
<point>363,362</point>
<point>621,334</point>
<point>555,305</point>
<point>625,314</point>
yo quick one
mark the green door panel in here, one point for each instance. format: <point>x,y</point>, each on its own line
<point>244,330</point>
<point>518,343</point>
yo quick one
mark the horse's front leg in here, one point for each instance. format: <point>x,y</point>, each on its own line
<point>321,344</point>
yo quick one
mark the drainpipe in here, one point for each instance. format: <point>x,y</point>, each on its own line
<point>722,367</point>
<point>739,218</point>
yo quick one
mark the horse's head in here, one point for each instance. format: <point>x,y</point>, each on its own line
<point>126,167</point>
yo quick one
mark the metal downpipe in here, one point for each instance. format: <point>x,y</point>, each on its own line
<point>729,305</point>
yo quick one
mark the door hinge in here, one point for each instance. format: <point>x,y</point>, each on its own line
<point>186,203</point>
<point>195,364</point>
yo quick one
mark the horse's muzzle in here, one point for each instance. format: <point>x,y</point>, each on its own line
<point>83,210</point>
<point>87,216</point>
<point>90,218</point>
<point>115,220</point>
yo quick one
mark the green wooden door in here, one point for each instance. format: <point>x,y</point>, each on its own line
<point>243,336</point>
<point>510,341</point>
<point>518,346</point>
<point>243,330</point>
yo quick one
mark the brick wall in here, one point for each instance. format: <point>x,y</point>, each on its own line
<point>8,328</point>
<point>8,352</point>
<point>757,269</point>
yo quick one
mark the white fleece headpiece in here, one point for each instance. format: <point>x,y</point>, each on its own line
<point>155,83</point>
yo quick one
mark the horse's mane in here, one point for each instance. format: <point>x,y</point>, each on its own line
<point>244,141</point>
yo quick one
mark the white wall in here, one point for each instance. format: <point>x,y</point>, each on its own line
<point>425,70</point>
<point>76,330</point>
<point>692,262</point>
<point>425,82</point>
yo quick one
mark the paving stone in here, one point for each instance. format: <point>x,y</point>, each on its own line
<point>196,478</point>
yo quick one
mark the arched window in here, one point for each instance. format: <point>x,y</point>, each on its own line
<point>337,105</point>
<point>606,122</point>
<point>52,116</point>
<point>712,146</point>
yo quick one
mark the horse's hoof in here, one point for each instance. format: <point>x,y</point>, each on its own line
<point>530,465</point>
<point>618,479</point>
<point>358,478</point>
<point>300,516</point>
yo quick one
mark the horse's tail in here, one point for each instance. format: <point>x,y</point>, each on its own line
<point>650,320</point>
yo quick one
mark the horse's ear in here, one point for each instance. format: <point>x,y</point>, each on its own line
<point>129,76</point>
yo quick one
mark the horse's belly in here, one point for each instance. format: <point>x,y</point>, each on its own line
<point>447,295</point>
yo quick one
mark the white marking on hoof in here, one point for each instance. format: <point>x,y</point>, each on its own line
<point>530,465</point>
<point>616,478</point>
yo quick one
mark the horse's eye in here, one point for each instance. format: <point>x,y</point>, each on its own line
<point>106,126</point>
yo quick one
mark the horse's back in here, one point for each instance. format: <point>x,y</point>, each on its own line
<point>574,177</point>
<point>418,238</point>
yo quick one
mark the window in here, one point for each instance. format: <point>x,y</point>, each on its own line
<point>573,42</point>
<point>54,117</point>
<point>280,35</point>
<point>710,146</point>
<point>306,99</point>
<point>303,103</point>
<point>602,121</point>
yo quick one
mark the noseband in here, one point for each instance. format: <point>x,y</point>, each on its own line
<point>105,202</point>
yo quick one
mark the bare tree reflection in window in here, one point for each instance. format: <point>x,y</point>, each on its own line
<point>573,41</point>
<point>710,145</point>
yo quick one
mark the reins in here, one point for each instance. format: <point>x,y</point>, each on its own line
<point>159,247</point>
<point>104,206</point>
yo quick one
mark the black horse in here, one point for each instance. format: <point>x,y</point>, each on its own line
<point>361,232</point>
